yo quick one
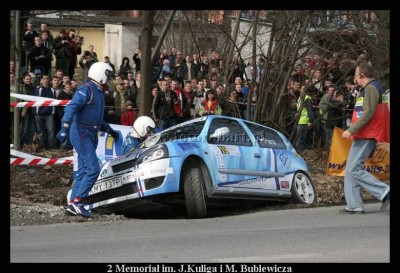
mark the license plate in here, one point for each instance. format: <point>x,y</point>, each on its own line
<point>106,185</point>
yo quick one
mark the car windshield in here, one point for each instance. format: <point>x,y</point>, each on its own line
<point>178,132</point>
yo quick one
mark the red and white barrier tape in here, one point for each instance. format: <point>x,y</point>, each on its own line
<point>34,101</point>
<point>27,159</point>
<point>39,103</point>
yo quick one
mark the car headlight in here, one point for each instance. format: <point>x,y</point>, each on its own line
<point>154,153</point>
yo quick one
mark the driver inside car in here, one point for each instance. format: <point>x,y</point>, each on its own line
<point>143,127</point>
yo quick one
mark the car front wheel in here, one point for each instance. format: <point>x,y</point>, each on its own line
<point>303,189</point>
<point>194,192</point>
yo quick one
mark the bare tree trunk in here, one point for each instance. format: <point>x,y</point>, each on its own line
<point>229,56</point>
<point>380,55</point>
<point>17,119</point>
<point>164,32</point>
<point>192,33</point>
<point>145,84</point>
<point>287,35</point>
<point>254,73</point>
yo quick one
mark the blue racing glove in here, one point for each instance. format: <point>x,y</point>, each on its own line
<point>63,134</point>
<point>114,134</point>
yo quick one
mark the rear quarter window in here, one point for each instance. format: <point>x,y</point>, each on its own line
<point>265,137</point>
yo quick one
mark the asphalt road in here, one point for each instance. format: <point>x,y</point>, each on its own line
<point>309,235</point>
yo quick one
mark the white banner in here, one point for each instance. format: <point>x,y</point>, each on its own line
<point>107,146</point>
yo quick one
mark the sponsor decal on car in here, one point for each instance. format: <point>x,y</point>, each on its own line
<point>224,150</point>
<point>159,172</point>
<point>268,141</point>
<point>188,146</point>
<point>220,162</point>
<point>229,150</point>
<point>126,178</point>
<point>284,184</point>
<point>252,181</point>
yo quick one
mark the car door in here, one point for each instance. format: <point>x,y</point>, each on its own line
<point>235,158</point>
<point>274,153</point>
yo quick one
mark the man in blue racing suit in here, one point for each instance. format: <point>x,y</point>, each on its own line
<point>83,118</point>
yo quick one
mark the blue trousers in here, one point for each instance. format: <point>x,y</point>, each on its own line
<point>356,177</point>
<point>84,142</point>
<point>45,126</point>
<point>301,143</point>
<point>166,123</point>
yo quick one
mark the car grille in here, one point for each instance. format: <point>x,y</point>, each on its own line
<point>123,166</point>
<point>120,191</point>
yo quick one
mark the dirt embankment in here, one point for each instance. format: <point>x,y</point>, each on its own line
<point>38,193</point>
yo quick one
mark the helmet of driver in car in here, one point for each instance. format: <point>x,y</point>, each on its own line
<point>143,126</point>
<point>100,72</point>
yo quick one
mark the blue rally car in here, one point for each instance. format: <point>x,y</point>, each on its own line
<point>201,160</point>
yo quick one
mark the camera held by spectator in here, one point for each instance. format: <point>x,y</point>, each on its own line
<point>79,40</point>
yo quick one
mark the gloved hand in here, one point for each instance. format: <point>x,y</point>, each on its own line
<point>114,134</point>
<point>63,134</point>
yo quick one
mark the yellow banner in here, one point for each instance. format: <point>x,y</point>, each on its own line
<point>378,164</point>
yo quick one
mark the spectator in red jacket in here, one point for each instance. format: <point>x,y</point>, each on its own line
<point>129,116</point>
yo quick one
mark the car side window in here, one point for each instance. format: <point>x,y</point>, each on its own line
<point>266,137</point>
<point>236,136</point>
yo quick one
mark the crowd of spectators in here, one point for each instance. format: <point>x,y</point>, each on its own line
<point>184,87</point>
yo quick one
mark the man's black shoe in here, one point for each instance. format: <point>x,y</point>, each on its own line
<point>386,201</point>
<point>346,211</point>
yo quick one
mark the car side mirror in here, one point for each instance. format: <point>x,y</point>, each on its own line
<point>218,133</point>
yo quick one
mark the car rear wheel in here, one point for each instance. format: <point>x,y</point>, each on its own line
<point>194,192</point>
<point>303,189</point>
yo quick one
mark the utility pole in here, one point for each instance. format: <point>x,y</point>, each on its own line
<point>145,46</point>
<point>17,61</point>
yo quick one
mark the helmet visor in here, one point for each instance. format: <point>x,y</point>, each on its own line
<point>110,74</point>
<point>151,130</point>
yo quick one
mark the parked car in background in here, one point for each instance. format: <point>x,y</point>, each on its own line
<point>211,158</point>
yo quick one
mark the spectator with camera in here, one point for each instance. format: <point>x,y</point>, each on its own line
<point>86,61</point>
<point>61,43</point>
<point>29,39</point>
<point>73,51</point>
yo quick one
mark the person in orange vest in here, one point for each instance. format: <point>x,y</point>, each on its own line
<point>370,124</point>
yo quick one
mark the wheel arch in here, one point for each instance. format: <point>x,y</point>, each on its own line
<point>195,160</point>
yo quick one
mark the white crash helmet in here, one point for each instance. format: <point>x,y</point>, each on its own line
<point>100,72</point>
<point>142,126</point>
